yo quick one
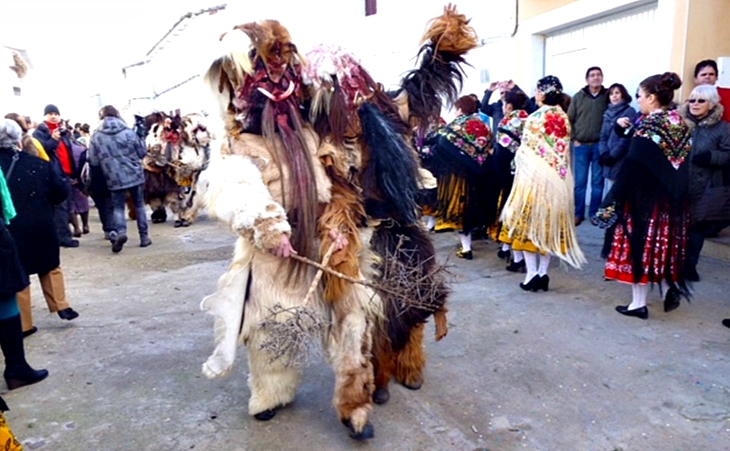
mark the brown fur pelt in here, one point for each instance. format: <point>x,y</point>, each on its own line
<point>344,213</point>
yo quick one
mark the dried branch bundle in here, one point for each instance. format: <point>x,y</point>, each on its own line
<point>295,339</point>
<point>403,279</point>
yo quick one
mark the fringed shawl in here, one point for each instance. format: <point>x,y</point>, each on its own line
<point>541,203</point>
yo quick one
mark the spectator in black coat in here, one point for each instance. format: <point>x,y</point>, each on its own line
<point>36,186</point>
<point>56,139</point>
<point>12,279</point>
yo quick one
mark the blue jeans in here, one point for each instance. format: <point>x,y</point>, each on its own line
<point>119,221</point>
<point>585,157</point>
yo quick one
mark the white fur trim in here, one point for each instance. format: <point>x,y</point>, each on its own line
<point>227,307</point>
<point>238,196</point>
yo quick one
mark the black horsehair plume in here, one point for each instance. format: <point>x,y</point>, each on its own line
<point>437,80</point>
<point>392,169</point>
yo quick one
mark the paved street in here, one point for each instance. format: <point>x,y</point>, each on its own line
<point>555,371</point>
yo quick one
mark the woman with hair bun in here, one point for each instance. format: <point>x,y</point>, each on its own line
<point>648,202</point>
<point>538,215</point>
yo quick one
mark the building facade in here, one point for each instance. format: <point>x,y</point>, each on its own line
<point>629,39</point>
<point>14,75</point>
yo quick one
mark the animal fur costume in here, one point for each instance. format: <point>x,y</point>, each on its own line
<point>359,169</point>
<point>272,183</point>
<point>178,150</point>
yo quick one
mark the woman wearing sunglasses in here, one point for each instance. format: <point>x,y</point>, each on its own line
<point>709,171</point>
<point>648,202</point>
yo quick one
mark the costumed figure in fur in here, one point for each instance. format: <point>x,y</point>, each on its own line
<point>178,150</point>
<point>286,192</point>
<point>376,128</point>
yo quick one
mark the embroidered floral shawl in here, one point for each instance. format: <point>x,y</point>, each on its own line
<point>547,134</point>
<point>668,131</point>
<point>509,130</point>
<point>470,135</point>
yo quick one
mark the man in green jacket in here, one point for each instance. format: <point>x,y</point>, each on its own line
<point>586,117</point>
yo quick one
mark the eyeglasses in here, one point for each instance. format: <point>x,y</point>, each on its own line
<point>700,101</point>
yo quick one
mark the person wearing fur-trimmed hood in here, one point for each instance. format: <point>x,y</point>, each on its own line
<point>709,171</point>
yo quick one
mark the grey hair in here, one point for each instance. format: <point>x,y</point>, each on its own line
<point>707,92</point>
<point>10,133</point>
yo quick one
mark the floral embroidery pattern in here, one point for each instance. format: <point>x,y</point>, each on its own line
<point>471,135</point>
<point>509,130</point>
<point>668,131</point>
<point>547,132</point>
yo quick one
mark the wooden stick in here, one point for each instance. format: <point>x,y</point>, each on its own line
<point>322,266</point>
<point>340,275</point>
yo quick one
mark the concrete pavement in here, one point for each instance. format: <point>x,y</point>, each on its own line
<point>518,371</point>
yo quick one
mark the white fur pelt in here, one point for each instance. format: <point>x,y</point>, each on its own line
<point>243,191</point>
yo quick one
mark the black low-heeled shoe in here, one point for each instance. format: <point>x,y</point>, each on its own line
<point>544,283</point>
<point>533,285</point>
<point>641,312</point>
<point>503,254</point>
<point>516,266</point>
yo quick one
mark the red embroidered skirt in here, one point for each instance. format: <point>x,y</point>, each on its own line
<point>657,252</point>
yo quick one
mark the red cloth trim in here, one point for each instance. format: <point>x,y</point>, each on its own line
<point>725,101</point>
<point>63,157</point>
<point>656,253</point>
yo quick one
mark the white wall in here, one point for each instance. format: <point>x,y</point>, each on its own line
<point>528,45</point>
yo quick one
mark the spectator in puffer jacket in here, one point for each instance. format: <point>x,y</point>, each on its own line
<point>710,162</point>
<point>118,151</point>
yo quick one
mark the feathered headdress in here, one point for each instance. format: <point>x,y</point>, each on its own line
<point>439,77</point>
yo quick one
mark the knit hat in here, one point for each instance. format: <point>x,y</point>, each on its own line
<point>50,108</point>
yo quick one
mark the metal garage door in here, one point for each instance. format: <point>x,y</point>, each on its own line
<point>616,43</point>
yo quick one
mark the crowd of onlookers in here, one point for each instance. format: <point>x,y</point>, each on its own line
<point>48,170</point>
<point>517,170</point>
<point>655,174</point>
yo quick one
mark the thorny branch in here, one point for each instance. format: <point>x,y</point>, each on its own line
<point>402,278</point>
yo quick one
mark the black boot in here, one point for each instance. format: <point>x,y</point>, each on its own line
<point>17,371</point>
